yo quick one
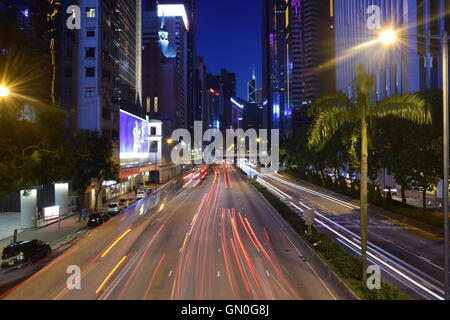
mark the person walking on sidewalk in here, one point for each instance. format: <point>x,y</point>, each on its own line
<point>83,215</point>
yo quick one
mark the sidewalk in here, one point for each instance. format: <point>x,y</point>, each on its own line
<point>51,234</point>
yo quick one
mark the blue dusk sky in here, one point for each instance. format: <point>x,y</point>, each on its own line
<point>229,36</point>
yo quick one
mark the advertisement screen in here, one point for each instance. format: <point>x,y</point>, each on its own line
<point>134,140</point>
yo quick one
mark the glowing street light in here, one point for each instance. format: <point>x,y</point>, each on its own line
<point>4,91</point>
<point>388,36</point>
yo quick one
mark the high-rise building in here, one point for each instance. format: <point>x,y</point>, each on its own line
<point>298,56</point>
<point>251,90</point>
<point>222,88</point>
<point>407,67</point>
<point>277,114</point>
<point>127,26</point>
<point>202,109</point>
<point>310,55</point>
<point>190,59</point>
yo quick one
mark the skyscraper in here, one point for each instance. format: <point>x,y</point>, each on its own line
<point>277,114</point>
<point>310,55</point>
<point>251,90</point>
<point>222,88</point>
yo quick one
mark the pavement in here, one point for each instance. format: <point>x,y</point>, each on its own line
<point>409,257</point>
<point>54,232</point>
<point>216,239</point>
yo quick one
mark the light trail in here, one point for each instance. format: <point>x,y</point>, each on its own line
<point>115,242</point>
<point>110,275</point>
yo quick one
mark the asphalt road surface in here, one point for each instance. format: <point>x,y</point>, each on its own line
<point>411,259</point>
<point>216,239</point>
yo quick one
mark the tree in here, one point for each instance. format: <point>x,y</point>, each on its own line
<point>398,142</point>
<point>334,111</point>
<point>91,161</point>
<point>31,151</point>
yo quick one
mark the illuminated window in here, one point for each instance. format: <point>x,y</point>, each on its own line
<point>90,12</point>
<point>148,104</point>
<point>89,92</point>
<point>156,104</point>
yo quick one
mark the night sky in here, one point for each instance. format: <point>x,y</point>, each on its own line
<point>229,36</point>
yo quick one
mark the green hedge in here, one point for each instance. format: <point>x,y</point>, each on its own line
<point>346,266</point>
<point>375,198</point>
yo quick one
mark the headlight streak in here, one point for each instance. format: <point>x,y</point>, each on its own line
<point>115,242</point>
<point>110,275</point>
<point>380,261</point>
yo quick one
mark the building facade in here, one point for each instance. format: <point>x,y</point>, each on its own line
<point>277,114</point>
<point>411,65</point>
<point>310,51</point>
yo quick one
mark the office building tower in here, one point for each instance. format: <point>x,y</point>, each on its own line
<point>310,55</point>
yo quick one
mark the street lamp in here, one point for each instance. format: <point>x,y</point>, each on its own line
<point>4,91</point>
<point>389,36</point>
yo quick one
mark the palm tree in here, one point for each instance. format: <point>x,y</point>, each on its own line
<point>333,112</point>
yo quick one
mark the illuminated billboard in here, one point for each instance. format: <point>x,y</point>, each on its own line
<point>134,140</point>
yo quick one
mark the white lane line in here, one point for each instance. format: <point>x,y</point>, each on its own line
<point>170,273</point>
<point>218,274</point>
<point>384,263</point>
<point>298,208</point>
<point>305,206</point>
<point>370,244</point>
<point>316,193</point>
<point>274,189</point>
<point>267,271</point>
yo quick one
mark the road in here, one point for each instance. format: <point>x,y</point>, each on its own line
<point>213,240</point>
<point>410,259</point>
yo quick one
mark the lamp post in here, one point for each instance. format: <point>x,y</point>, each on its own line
<point>388,37</point>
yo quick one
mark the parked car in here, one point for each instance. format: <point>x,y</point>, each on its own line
<point>113,209</point>
<point>22,253</point>
<point>141,194</point>
<point>389,189</point>
<point>124,203</point>
<point>97,219</point>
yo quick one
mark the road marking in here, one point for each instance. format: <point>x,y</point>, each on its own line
<point>218,274</point>
<point>304,205</point>
<point>297,207</point>
<point>115,242</point>
<point>170,273</point>
<point>267,271</point>
<point>110,275</point>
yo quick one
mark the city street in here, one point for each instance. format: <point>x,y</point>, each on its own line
<point>213,240</point>
<point>409,258</point>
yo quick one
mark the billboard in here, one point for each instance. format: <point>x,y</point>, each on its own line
<point>134,140</point>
